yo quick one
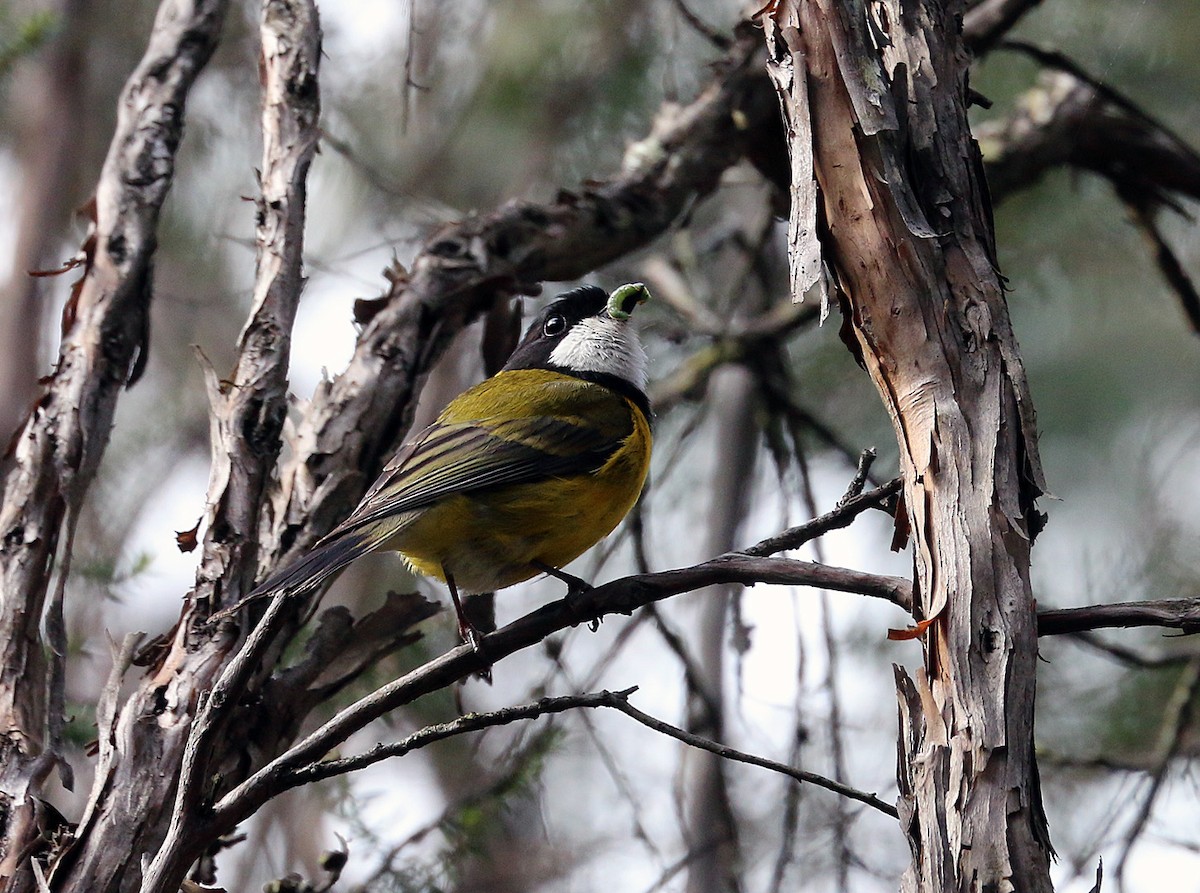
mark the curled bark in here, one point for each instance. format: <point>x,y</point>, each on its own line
<point>343,436</point>
<point>56,453</point>
<point>877,97</point>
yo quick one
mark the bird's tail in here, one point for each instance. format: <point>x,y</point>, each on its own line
<point>324,560</point>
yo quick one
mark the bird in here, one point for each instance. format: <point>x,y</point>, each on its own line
<point>520,474</point>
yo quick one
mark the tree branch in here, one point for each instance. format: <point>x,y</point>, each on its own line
<point>621,596</point>
<point>471,722</point>
<point>1074,119</point>
<point>730,753</point>
<point>842,516</point>
<point>54,457</point>
<point>1182,614</point>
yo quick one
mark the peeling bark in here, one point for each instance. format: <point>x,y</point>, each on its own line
<point>344,435</point>
<point>247,413</point>
<point>877,94</point>
<point>56,453</point>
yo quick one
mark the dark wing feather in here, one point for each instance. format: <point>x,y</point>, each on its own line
<point>480,455</point>
<point>326,558</point>
<point>513,428</point>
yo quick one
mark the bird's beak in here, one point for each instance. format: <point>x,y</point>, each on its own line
<point>622,301</point>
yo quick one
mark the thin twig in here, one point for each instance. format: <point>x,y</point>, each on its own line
<point>106,715</point>
<point>471,722</point>
<point>730,753</point>
<point>865,460</point>
<point>840,517</point>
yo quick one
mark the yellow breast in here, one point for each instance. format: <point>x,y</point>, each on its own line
<point>494,538</point>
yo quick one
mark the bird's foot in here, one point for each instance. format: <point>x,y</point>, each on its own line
<point>470,635</point>
<point>576,590</point>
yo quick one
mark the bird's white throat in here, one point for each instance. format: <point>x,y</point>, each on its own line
<point>604,345</point>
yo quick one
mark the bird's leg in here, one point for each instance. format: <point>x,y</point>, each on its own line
<point>466,629</point>
<point>576,588</point>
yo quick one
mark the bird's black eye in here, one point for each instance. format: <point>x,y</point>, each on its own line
<point>554,326</point>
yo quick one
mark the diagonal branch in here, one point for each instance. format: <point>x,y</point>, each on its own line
<point>53,459</point>
<point>471,722</point>
<point>730,753</point>
<point>1072,118</point>
<point>842,516</point>
<point>620,596</point>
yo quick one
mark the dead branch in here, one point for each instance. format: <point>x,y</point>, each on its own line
<point>1181,614</point>
<point>474,722</point>
<point>845,512</point>
<point>55,455</point>
<point>471,722</point>
<point>730,753</point>
<point>620,596</point>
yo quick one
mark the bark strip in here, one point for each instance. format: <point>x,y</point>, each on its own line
<point>879,94</point>
<point>55,455</point>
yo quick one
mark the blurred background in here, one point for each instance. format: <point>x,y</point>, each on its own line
<point>432,111</point>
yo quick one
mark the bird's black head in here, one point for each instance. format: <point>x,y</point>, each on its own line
<point>585,332</point>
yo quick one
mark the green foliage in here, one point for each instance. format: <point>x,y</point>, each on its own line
<point>21,36</point>
<point>1132,726</point>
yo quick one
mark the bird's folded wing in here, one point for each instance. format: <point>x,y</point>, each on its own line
<point>464,457</point>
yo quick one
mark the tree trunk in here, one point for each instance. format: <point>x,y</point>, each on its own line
<point>875,100</point>
<point>54,458</point>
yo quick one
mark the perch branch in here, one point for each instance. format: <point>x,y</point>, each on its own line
<point>620,596</point>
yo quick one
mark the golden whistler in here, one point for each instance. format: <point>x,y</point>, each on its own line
<point>521,473</point>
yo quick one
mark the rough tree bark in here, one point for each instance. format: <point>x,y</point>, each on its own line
<point>926,313</point>
<point>875,98</point>
<point>343,438</point>
<point>55,455</point>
